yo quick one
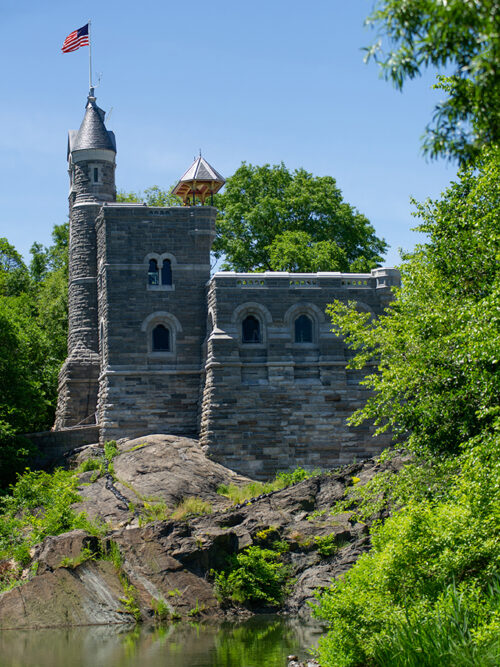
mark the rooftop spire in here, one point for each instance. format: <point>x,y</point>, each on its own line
<point>92,132</point>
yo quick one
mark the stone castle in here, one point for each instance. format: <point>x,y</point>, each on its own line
<point>245,362</point>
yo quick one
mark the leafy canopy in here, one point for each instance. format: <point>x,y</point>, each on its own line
<point>273,219</point>
<point>423,594</point>
<point>33,335</point>
<point>462,36</point>
<point>438,379</point>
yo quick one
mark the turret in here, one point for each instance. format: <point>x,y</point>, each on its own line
<point>91,158</point>
<point>91,161</point>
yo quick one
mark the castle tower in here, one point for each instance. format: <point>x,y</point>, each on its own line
<point>91,166</point>
<point>153,268</point>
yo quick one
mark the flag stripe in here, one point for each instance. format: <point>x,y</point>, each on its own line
<point>76,39</point>
<point>76,43</point>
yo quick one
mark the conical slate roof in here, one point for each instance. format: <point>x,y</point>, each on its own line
<point>92,132</point>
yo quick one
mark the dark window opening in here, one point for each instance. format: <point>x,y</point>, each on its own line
<point>96,174</point>
<point>153,273</point>
<point>303,329</point>
<point>161,339</point>
<point>166,272</point>
<point>250,330</point>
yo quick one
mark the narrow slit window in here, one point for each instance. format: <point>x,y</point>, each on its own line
<point>303,329</point>
<point>166,272</point>
<point>250,330</point>
<point>153,273</point>
<point>96,174</point>
<point>161,339</point>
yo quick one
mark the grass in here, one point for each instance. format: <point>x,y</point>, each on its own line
<point>84,555</point>
<point>111,551</point>
<point>240,494</point>
<point>445,638</point>
<point>136,447</point>
<point>153,511</point>
<point>191,506</point>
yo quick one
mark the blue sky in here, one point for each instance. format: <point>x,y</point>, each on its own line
<point>261,82</point>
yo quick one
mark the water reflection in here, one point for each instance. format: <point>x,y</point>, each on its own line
<point>257,642</point>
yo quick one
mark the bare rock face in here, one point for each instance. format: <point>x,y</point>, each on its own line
<point>170,561</point>
<point>88,595</point>
<point>54,550</point>
<point>154,468</point>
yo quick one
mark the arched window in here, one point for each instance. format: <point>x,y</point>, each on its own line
<point>166,272</point>
<point>153,273</point>
<point>161,339</point>
<point>303,329</point>
<point>250,330</point>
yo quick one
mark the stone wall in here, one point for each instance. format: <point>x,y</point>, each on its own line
<point>53,444</point>
<point>143,391</point>
<point>277,403</point>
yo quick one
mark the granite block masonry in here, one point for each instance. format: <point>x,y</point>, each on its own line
<point>245,362</point>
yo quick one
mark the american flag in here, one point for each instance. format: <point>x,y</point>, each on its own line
<point>76,39</point>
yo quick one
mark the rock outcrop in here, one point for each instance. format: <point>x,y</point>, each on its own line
<point>170,561</point>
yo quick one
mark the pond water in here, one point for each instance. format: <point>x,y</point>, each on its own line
<point>261,641</point>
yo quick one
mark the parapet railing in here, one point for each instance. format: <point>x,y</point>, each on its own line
<point>377,278</point>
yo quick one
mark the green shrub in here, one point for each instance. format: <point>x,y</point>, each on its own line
<point>256,576</point>
<point>130,600</point>
<point>161,609</point>
<point>90,464</point>
<point>404,582</point>
<point>327,545</point>
<point>40,505</point>
<point>111,450</point>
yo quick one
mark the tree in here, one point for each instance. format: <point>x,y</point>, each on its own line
<point>268,210</point>
<point>14,276</point>
<point>438,379</point>
<point>26,382</point>
<point>153,196</point>
<point>296,251</point>
<point>33,343</point>
<point>444,34</point>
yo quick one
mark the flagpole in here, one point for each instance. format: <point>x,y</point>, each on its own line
<point>90,62</point>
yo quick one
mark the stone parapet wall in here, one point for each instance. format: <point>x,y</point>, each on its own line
<point>53,444</point>
<point>277,403</point>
